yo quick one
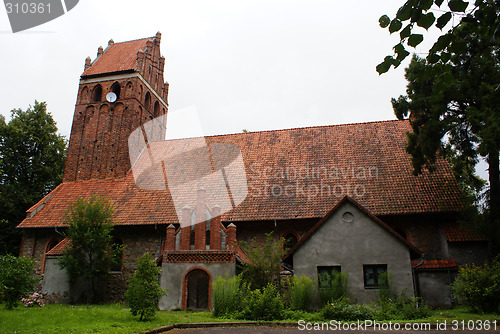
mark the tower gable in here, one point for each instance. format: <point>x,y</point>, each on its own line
<point>133,71</point>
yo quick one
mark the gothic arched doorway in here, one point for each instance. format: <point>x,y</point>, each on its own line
<point>198,287</point>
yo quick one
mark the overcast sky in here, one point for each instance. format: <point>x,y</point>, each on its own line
<point>256,65</point>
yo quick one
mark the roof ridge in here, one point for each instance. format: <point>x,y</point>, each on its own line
<point>295,128</point>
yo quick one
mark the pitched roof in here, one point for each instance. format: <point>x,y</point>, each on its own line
<point>455,232</point>
<point>367,161</point>
<point>60,247</point>
<point>435,264</point>
<point>117,57</point>
<point>309,233</point>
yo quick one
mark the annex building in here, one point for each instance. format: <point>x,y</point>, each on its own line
<point>343,196</point>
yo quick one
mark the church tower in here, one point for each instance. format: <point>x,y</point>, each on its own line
<point>119,91</point>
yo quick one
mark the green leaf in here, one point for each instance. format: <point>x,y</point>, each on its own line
<point>458,46</point>
<point>433,58</point>
<point>395,25</point>
<point>442,43</point>
<point>443,20</point>
<point>405,32</point>
<point>400,50</point>
<point>445,57</point>
<point>415,39</point>
<point>457,5</point>
<point>384,21</point>
<point>427,4</point>
<point>385,65</point>
<point>404,12</point>
<point>426,21</point>
<point>438,2</point>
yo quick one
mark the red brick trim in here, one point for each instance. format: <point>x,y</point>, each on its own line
<point>199,257</point>
<point>184,287</point>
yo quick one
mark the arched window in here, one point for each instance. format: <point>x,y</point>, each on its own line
<point>115,88</point>
<point>156,109</point>
<point>290,240</point>
<point>51,244</point>
<point>97,94</point>
<point>84,95</point>
<point>147,101</point>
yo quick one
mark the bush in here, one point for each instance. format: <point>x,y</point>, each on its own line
<point>479,286</point>
<point>341,310</point>
<point>228,294</point>
<point>263,305</point>
<point>16,278</point>
<point>401,308</point>
<point>34,299</point>
<point>144,292</point>
<point>301,292</point>
<point>336,288</point>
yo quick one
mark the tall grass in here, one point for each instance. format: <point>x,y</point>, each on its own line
<point>336,288</point>
<point>228,295</point>
<point>301,292</point>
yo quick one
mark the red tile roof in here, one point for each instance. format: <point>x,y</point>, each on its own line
<point>435,264</point>
<point>60,247</point>
<point>117,57</point>
<point>455,232</point>
<point>367,161</point>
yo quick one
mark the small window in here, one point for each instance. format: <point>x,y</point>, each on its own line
<point>373,275</point>
<point>115,88</point>
<point>97,94</point>
<point>326,274</point>
<point>290,241</point>
<point>147,101</point>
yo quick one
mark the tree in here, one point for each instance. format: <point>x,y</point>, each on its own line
<point>453,106</point>
<point>144,291</point>
<point>32,157</point>
<point>483,14</point>
<point>16,278</point>
<point>264,261</point>
<point>90,255</point>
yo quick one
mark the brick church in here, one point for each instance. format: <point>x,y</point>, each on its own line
<point>343,196</point>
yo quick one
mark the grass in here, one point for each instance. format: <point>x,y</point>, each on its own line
<point>116,318</point>
<point>110,318</point>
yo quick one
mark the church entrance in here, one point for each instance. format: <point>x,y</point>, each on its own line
<point>197,290</point>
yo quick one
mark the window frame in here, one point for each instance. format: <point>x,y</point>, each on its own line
<point>378,269</point>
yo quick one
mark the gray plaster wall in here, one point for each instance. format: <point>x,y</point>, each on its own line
<point>352,245</point>
<point>173,274</point>
<point>468,252</point>
<point>434,287</point>
<point>55,281</point>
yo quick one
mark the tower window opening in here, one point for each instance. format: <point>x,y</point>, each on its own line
<point>97,96</point>
<point>115,88</point>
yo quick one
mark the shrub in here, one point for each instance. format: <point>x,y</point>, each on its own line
<point>34,299</point>
<point>401,308</point>
<point>144,292</point>
<point>16,278</point>
<point>228,294</point>
<point>263,305</point>
<point>264,261</point>
<point>301,292</point>
<point>336,289</point>
<point>341,310</point>
<point>479,286</point>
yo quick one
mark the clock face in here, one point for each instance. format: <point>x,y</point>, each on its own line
<point>111,97</point>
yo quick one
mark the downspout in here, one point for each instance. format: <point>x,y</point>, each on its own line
<point>414,275</point>
<point>452,299</point>
<point>59,232</point>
